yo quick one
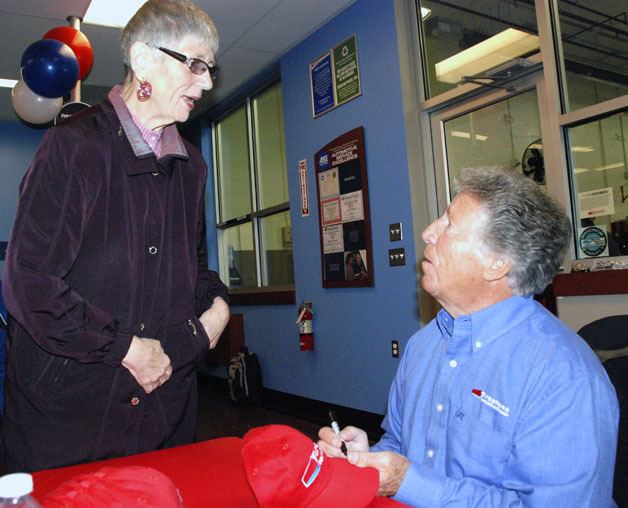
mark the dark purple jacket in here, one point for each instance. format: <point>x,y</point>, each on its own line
<point>109,242</point>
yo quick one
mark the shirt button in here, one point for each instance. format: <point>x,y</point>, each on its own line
<point>430,453</point>
<point>478,344</point>
<point>152,250</point>
<point>453,364</point>
<point>135,401</point>
<point>439,408</point>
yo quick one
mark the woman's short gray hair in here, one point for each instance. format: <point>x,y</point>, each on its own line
<point>524,224</point>
<point>162,22</point>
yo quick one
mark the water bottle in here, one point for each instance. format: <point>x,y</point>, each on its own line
<point>16,490</point>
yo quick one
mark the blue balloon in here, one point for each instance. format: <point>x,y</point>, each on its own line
<point>50,68</point>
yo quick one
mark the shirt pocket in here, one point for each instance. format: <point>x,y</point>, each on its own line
<point>476,449</point>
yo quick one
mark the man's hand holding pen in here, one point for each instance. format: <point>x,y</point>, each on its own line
<point>391,466</point>
<point>354,438</point>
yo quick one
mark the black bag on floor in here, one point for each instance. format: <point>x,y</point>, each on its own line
<point>245,378</point>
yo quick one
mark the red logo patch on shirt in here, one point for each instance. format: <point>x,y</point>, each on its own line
<point>491,402</point>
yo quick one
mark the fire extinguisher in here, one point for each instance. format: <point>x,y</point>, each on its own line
<point>306,330</point>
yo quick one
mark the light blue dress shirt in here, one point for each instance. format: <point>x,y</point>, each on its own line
<point>504,407</point>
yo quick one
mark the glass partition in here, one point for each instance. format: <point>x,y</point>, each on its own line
<point>232,161</point>
<point>506,133</point>
<point>276,249</point>
<point>594,58</point>
<point>598,160</point>
<point>238,256</point>
<point>272,179</point>
<point>465,40</point>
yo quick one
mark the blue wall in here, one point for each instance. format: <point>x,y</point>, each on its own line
<point>352,363</point>
<point>18,144</point>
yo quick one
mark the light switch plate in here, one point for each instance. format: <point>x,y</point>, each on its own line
<point>395,232</point>
<point>397,257</point>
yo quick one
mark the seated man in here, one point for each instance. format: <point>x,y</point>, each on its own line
<point>496,402</point>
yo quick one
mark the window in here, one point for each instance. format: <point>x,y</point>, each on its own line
<point>539,86</point>
<point>252,202</point>
<point>505,133</point>
<point>598,153</point>
<point>475,42</point>
<point>594,44</point>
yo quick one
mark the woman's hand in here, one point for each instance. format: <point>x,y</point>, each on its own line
<point>214,320</point>
<point>147,363</point>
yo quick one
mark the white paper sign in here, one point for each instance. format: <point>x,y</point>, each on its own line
<point>330,211</point>
<point>596,203</point>
<point>332,239</point>
<point>351,206</point>
<point>328,185</point>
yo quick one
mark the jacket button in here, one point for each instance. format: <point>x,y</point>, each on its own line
<point>156,173</point>
<point>135,401</point>
<point>152,250</point>
<point>142,327</point>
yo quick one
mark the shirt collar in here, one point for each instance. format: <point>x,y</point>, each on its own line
<point>152,138</point>
<point>171,142</point>
<point>469,333</point>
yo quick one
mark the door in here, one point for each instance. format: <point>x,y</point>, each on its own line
<point>498,128</point>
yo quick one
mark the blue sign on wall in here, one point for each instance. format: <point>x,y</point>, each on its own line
<point>322,83</point>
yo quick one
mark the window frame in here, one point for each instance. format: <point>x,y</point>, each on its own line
<point>259,294</point>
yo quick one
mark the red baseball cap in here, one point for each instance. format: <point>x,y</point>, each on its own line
<point>285,468</point>
<point>116,487</point>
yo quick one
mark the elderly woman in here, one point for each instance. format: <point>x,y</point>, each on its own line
<point>106,278</point>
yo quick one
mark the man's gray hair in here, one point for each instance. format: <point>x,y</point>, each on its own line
<point>162,22</point>
<point>522,223</point>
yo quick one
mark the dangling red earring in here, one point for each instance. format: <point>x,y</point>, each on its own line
<point>144,91</point>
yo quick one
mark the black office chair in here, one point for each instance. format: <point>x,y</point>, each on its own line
<point>608,337</point>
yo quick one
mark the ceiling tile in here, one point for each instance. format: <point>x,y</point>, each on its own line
<point>305,18</point>
<point>234,18</point>
<point>56,9</point>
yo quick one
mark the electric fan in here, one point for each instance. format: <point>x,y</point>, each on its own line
<point>532,163</point>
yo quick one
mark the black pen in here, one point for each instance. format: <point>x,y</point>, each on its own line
<point>336,428</point>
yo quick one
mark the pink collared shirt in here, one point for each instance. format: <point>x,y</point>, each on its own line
<point>152,138</point>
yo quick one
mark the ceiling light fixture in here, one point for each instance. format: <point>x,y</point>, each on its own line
<point>8,83</point>
<point>467,135</point>
<point>461,134</point>
<point>494,51</point>
<point>114,13</point>
<point>615,165</point>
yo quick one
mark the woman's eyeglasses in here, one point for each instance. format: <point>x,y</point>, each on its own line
<point>196,65</point>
